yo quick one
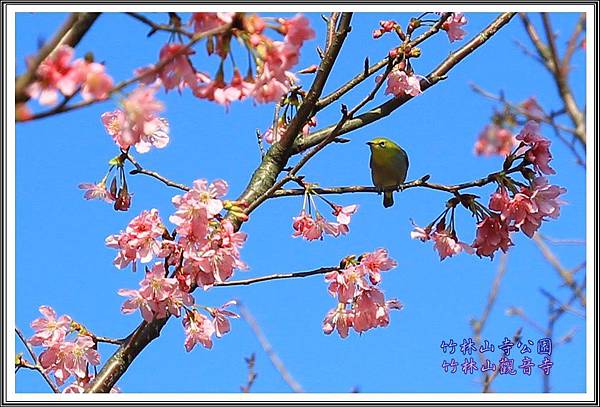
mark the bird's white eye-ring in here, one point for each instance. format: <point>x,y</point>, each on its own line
<point>382,144</point>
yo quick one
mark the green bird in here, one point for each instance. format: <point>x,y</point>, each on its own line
<point>389,166</point>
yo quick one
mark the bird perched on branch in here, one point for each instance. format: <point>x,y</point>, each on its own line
<point>389,166</point>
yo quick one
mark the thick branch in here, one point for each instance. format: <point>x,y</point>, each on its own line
<point>435,76</point>
<point>70,34</point>
<point>549,55</point>
<point>263,178</point>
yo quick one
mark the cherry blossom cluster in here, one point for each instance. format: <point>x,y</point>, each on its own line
<point>311,225</point>
<point>137,123</point>
<point>117,192</point>
<point>497,138</point>
<point>361,304</point>
<point>402,80</point>
<point>269,77</point>
<point>69,349</point>
<point>512,207</point>
<point>204,249</point>
<point>160,296</point>
<point>59,74</point>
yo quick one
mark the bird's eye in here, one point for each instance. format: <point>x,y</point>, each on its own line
<point>382,144</point>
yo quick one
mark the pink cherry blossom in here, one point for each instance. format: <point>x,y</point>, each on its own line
<point>196,207</point>
<point>371,310</point>
<point>297,30</point>
<point>376,262</point>
<point>221,318</point>
<point>538,151</point>
<point>80,354</point>
<point>532,107</point>
<point>340,319</point>
<point>54,360</point>
<point>55,73</point>
<point>546,197</point>
<point>139,240</point>
<point>343,214</point>
<point>136,301</point>
<point>49,329</point>
<point>207,21</point>
<point>447,244</point>
<point>198,329</point>
<point>221,256</point>
<point>179,72</point>
<point>453,26</point>
<point>305,226</point>
<point>494,140</point>
<point>423,234</point>
<point>97,84</point>
<point>399,83</point>
<point>345,283</point>
<point>97,191</point>
<point>155,287</point>
<point>492,234</point>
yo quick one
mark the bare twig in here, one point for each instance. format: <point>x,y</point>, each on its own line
<point>478,324</point>
<point>250,362</point>
<point>487,383</point>
<point>549,55</point>
<point>160,27</point>
<point>298,274</point>
<point>264,343</point>
<point>566,275</point>
<point>141,170</point>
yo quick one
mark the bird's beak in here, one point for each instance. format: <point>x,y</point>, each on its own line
<point>370,143</point>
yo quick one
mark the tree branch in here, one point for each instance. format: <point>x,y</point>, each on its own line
<point>549,55</point>
<point>62,108</point>
<point>434,77</point>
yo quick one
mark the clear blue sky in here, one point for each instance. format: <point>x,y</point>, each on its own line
<point>62,260</point>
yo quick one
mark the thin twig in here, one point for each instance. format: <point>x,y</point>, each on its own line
<point>566,275</point>
<point>141,170</point>
<point>478,324</point>
<point>322,270</point>
<point>36,363</point>
<point>486,384</point>
<point>160,27</point>
<point>264,343</point>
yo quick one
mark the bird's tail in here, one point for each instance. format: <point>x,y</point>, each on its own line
<point>388,199</point>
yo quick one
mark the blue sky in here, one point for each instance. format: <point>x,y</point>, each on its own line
<point>62,261</point>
